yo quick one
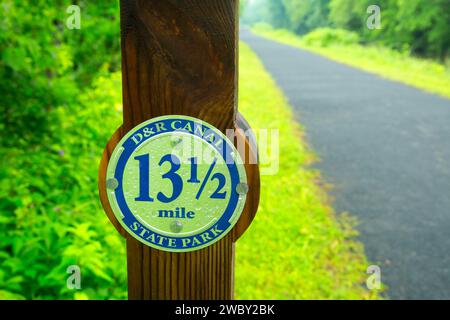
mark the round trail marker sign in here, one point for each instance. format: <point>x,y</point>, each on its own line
<point>176,183</point>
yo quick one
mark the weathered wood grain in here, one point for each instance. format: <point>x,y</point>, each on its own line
<point>180,57</point>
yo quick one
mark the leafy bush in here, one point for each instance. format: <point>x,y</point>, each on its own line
<point>324,37</point>
<point>50,213</point>
<point>44,65</point>
<point>54,92</point>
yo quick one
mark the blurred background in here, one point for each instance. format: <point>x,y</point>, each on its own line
<point>416,26</point>
<point>358,91</point>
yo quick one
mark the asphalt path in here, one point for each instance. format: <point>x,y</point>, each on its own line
<point>385,147</point>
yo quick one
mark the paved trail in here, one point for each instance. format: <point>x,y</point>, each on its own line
<point>386,148</point>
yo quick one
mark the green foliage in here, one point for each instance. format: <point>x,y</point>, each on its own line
<point>44,64</point>
<point>348,14</point>
<point>50,214</point>
<point>417,25</point>
<point>278,16</point>
<point>325,37</point>
<point>54,91</point>
<point>298,15</point>
<point>34,62</point>
<point>421,27</point>
<point>306,15</point>
<point>266,11</point>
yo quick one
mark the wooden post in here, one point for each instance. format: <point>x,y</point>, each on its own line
<point>180,57</point>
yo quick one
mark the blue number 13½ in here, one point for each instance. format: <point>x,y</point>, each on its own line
<point>174,177</point>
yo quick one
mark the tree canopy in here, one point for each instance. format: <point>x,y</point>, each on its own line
<point>422,27</point>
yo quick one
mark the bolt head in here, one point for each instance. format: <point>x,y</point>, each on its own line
<point>242,188</point>
<point>112,184</point>
<point>176,226</point>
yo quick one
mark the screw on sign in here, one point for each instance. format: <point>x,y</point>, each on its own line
<point>170,181</point>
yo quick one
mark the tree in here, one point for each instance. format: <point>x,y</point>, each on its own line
<point>277,13</point>
<point>421,25</point>
<point>416,25</point>
<point>306,15</point>
<point>348,14</point>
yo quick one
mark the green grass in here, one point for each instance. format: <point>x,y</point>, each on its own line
<point>297,247</point>
<point>421,73</point>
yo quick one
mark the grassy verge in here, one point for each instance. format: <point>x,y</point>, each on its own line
<point>296,248</point>
<point>421,73</point>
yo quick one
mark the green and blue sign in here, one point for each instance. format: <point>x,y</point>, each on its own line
<point>176,183</point>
